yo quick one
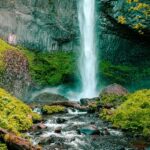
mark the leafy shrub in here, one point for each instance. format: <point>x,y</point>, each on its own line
<point>135,13</point>
<point>112,99</point>
<point>134,114</point>
<point>15,115</point>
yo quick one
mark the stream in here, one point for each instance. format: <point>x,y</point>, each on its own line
<point>72,131</point>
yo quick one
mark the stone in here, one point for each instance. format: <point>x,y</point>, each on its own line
<point>115,89</point>
<point>60,120</point>
<point>90,130</point>
<point>48,98</point>
<point>58,130</point>
<point>41,126</point>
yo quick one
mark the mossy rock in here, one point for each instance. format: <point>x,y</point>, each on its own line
<point>3,48</point>
<point>134,114</point>
<point>15,115</point>
<point>47,98</point>
<point>53,109</point>
<point>113,95</point>
<point>112,99</point>
<point>14,70</point>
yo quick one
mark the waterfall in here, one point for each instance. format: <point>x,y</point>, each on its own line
<point>87,65</point>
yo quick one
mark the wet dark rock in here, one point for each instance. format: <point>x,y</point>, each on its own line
<point>106,131</point>
<point>45,140</point>
<point>115,89</point>
<point>90,130</point>
<point>38,126</point>
<point>57,140</point>
<point>58,130</point>
<point>60,120</point>
<point>41,126</point>
<point>87,101</point>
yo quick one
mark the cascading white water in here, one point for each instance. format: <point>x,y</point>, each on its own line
<point>87,66</point>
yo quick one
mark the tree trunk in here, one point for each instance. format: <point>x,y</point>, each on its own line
<point>15,142</point>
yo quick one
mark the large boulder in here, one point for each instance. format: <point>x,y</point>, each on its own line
<point>90,130</point>
<point>112,96</point>
<point>48,98</point>
<point>14,70</point>
<point>115,89</point>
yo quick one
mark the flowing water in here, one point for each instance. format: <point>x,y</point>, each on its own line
<point>71,139</point>
<point>87,66</point>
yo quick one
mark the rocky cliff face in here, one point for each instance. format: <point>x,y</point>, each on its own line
<point>37,24</point>
<point>124,31</point>
<point>53,25</point>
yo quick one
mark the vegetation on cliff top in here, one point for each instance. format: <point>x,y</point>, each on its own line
<point>15,115</point>
<point>136,13</point>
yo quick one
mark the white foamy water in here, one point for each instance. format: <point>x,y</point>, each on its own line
<point>87,66</point>
<point>76,112</point>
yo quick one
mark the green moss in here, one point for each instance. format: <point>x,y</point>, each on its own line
<point>134,114</point>
<point>123,74</point>
<point>53,68</point>
<point>36,117</point>
<point>112,99</point>
<point>15,115</point>
<point>136,14</point>
<point>45,68</point>
<point>53,109</point>
<point>3,146</point>
<point>3,48</point>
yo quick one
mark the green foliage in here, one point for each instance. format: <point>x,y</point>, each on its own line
<point>93,106</point>
<point>135,13</point>
<point>53,109</point>
<point>134,114</point>
<point>123,74</point>
<point>112,99</point>
<point>45,68</point>
<point>15,115</point>
<point>53,68</point>
<point>36,117</point>
<point>3,146</point>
